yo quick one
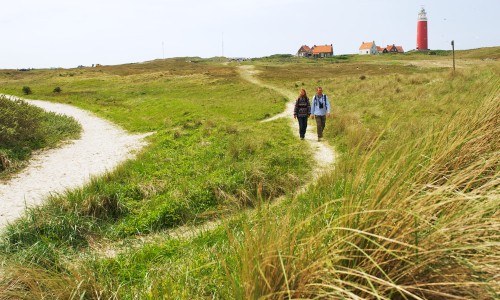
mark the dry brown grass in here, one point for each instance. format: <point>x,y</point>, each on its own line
<point>422,224</point>
<point>40,283</point>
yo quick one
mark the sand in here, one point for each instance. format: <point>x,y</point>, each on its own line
<point>101,147</point>
<point>324,154</point>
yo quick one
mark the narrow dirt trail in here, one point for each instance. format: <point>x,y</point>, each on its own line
<point>101,147</point>
<point>324,156</point>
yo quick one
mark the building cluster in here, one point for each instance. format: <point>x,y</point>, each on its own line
<point>370,48</point>
<point>316,51</point>
<point>365,48</point>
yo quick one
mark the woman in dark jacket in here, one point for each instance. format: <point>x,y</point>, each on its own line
<point>302,111</point>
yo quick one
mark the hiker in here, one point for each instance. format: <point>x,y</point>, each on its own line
<point>302,111</point>
<point>320,109</point>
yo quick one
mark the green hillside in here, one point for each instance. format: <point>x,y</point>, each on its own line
<point>213,207</point>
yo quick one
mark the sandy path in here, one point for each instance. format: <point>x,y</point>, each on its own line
<point>101,148</point>
<point>324,155</point>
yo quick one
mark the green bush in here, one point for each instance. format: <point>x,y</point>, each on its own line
<point>57,90</point>
<point>19,124</point>
<point>24,128</point>
<point>27,90</point>
<point>4,160</point>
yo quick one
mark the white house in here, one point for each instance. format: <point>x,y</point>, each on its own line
<point>368,48</point>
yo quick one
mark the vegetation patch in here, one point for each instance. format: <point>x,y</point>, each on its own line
<point>410,210</point>
<point>25,128</point>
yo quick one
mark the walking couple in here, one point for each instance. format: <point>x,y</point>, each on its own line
<point>319,110</point>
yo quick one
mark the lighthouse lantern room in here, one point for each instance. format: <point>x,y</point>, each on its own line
<point>422,31</point>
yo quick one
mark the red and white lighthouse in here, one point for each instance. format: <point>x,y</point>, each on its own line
<point>422,30</point>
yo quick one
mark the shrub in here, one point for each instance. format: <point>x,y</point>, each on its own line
<point>4,161</point>
<point>57,90</point>
<point>24,128</point>
<point>27,90</point>
<point>19,123</point>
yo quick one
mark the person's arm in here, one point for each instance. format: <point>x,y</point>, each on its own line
<point>312,107</point>
<point>327,106</point>
<point>295,110</point>
<point>308,107</point>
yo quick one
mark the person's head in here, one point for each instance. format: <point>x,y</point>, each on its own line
<point>302,93</point>
<point>319,90</point>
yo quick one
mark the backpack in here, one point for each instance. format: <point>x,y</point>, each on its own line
<point>324,101</point>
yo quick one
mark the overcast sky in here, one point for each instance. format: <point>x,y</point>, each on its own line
<point>68,33</point>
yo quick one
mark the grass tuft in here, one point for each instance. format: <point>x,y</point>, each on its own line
<point>421,224</point>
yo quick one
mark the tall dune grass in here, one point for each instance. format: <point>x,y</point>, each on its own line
<point>40,283</point>
<point>408,213</point>
<point>421,224</point>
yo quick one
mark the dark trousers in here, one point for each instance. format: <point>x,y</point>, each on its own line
<point>320,124</point>
<point>302,126</point>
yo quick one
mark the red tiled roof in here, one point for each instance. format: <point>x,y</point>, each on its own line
<point>366,46</point>
<point>322,49</point>
<point>398,48</point>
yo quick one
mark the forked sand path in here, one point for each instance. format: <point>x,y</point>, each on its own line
<point>324,156</point>
<point>101,147</point>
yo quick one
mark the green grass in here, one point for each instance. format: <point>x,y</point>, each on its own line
<point>25,128</point>
<point>209,155</point>
<point>409,212</point>
<point>414,223</point>
<point>406,95</point>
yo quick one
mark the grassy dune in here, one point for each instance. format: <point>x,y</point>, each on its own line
<point>409,212</point>
<point>208,156</point>
<point>25,128</point>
